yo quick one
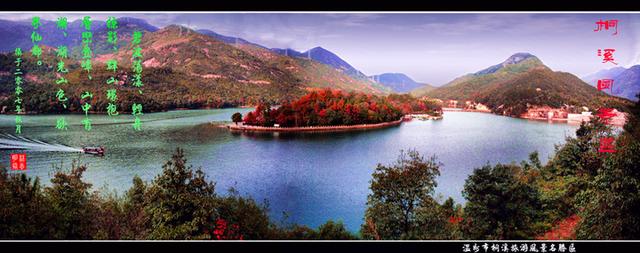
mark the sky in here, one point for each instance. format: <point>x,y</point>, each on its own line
<point>431,48</point>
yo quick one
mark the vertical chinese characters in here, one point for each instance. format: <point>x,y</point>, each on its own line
<point>606,25</point>
<point>112,65</point>
<point>87,39</point>
<point>36,50</point>
<point>61,70</point>
<point>607,56</point>
<point>136,66</point>
<point>607,144</point>
<point>18,92</point>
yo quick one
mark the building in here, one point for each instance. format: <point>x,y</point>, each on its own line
<point>579,117</point>
<point>546,113</point>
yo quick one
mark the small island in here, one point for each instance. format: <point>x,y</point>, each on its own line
<point>329,110</point>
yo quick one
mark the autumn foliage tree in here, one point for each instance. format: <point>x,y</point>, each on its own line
<point>325,108</point>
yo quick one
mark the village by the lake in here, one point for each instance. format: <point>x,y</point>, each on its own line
<point>306,126</point>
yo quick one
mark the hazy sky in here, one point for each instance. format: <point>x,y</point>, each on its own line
<point>429,47</point>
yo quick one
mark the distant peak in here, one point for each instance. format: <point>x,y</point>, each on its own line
<point>512,60</point>
<point>319,50</point>
<point>632,67</point>
<point>176,29</point>
<point>132,19</point>
<point>205,31</point>
<point>518,57</point>
<point>392,74</point>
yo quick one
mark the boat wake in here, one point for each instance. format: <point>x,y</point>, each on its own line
<point>11,142</point>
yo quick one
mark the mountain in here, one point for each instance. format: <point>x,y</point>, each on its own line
<point>544,87</point>
<point>313,73</point>
<point>522,81</point>
<point>512,60</point>
<point>226,39</point>
<point>289,52</point>
<point>603,74</point>
<point>214,67</point>
<point>14,34</point>
<point>398,82</point>
<point>420,91</point>
<point>626,82</point>
<point>324,56</point>
<point>467,86</point>
<point>183,69</point>
<point>18,34</point>
<point>327,57</point>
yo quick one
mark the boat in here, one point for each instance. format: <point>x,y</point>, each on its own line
<point>99,151</point>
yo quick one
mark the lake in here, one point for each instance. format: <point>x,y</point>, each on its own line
<point>313,177</point>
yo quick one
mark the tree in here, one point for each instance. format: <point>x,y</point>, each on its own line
<point>109,217</point>
<point>73,209</point>
<point>609,204</point>
<point>180,201</point>
<point>236,117</point>
<point>633,124</point>
<point>250,119</point>
<point>334,231</point>
<point>178,204</point>
<point>24,211</point>
<point>250,218</point>
<point>326,107</point>
<point>499,204</point>
<point>401,205</point>
<point>137,225</point>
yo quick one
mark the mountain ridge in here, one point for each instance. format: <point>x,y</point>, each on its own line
<point>521,81</point>
<point>626,81</point>
<point>464,87</point>
<point>399,82</point>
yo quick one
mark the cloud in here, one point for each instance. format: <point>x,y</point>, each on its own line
<point>352,20</point>
<point>467,24</point>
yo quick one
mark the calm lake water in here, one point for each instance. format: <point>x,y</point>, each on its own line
<point>311,177</point>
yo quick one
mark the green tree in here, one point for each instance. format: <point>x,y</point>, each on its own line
<point>71,204</point>
<point>137,225</point>
<point>334,231</point>
<point>609,205</point>
<point>250,217</point>
<point>401,205</point>
<point>448,207</point>
<point>180,202</point>
<point>109,218</point>
<point>500,204</point>
<point>570,171</point>
<point>236,117</point>
<point>24,211</point>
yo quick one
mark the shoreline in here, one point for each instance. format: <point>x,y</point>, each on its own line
<point>342,128</point>
<point>453,109</point>
<point>121,112</point>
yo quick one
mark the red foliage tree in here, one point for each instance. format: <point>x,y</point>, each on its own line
<point>223,231</point>
<point>327,107</point>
